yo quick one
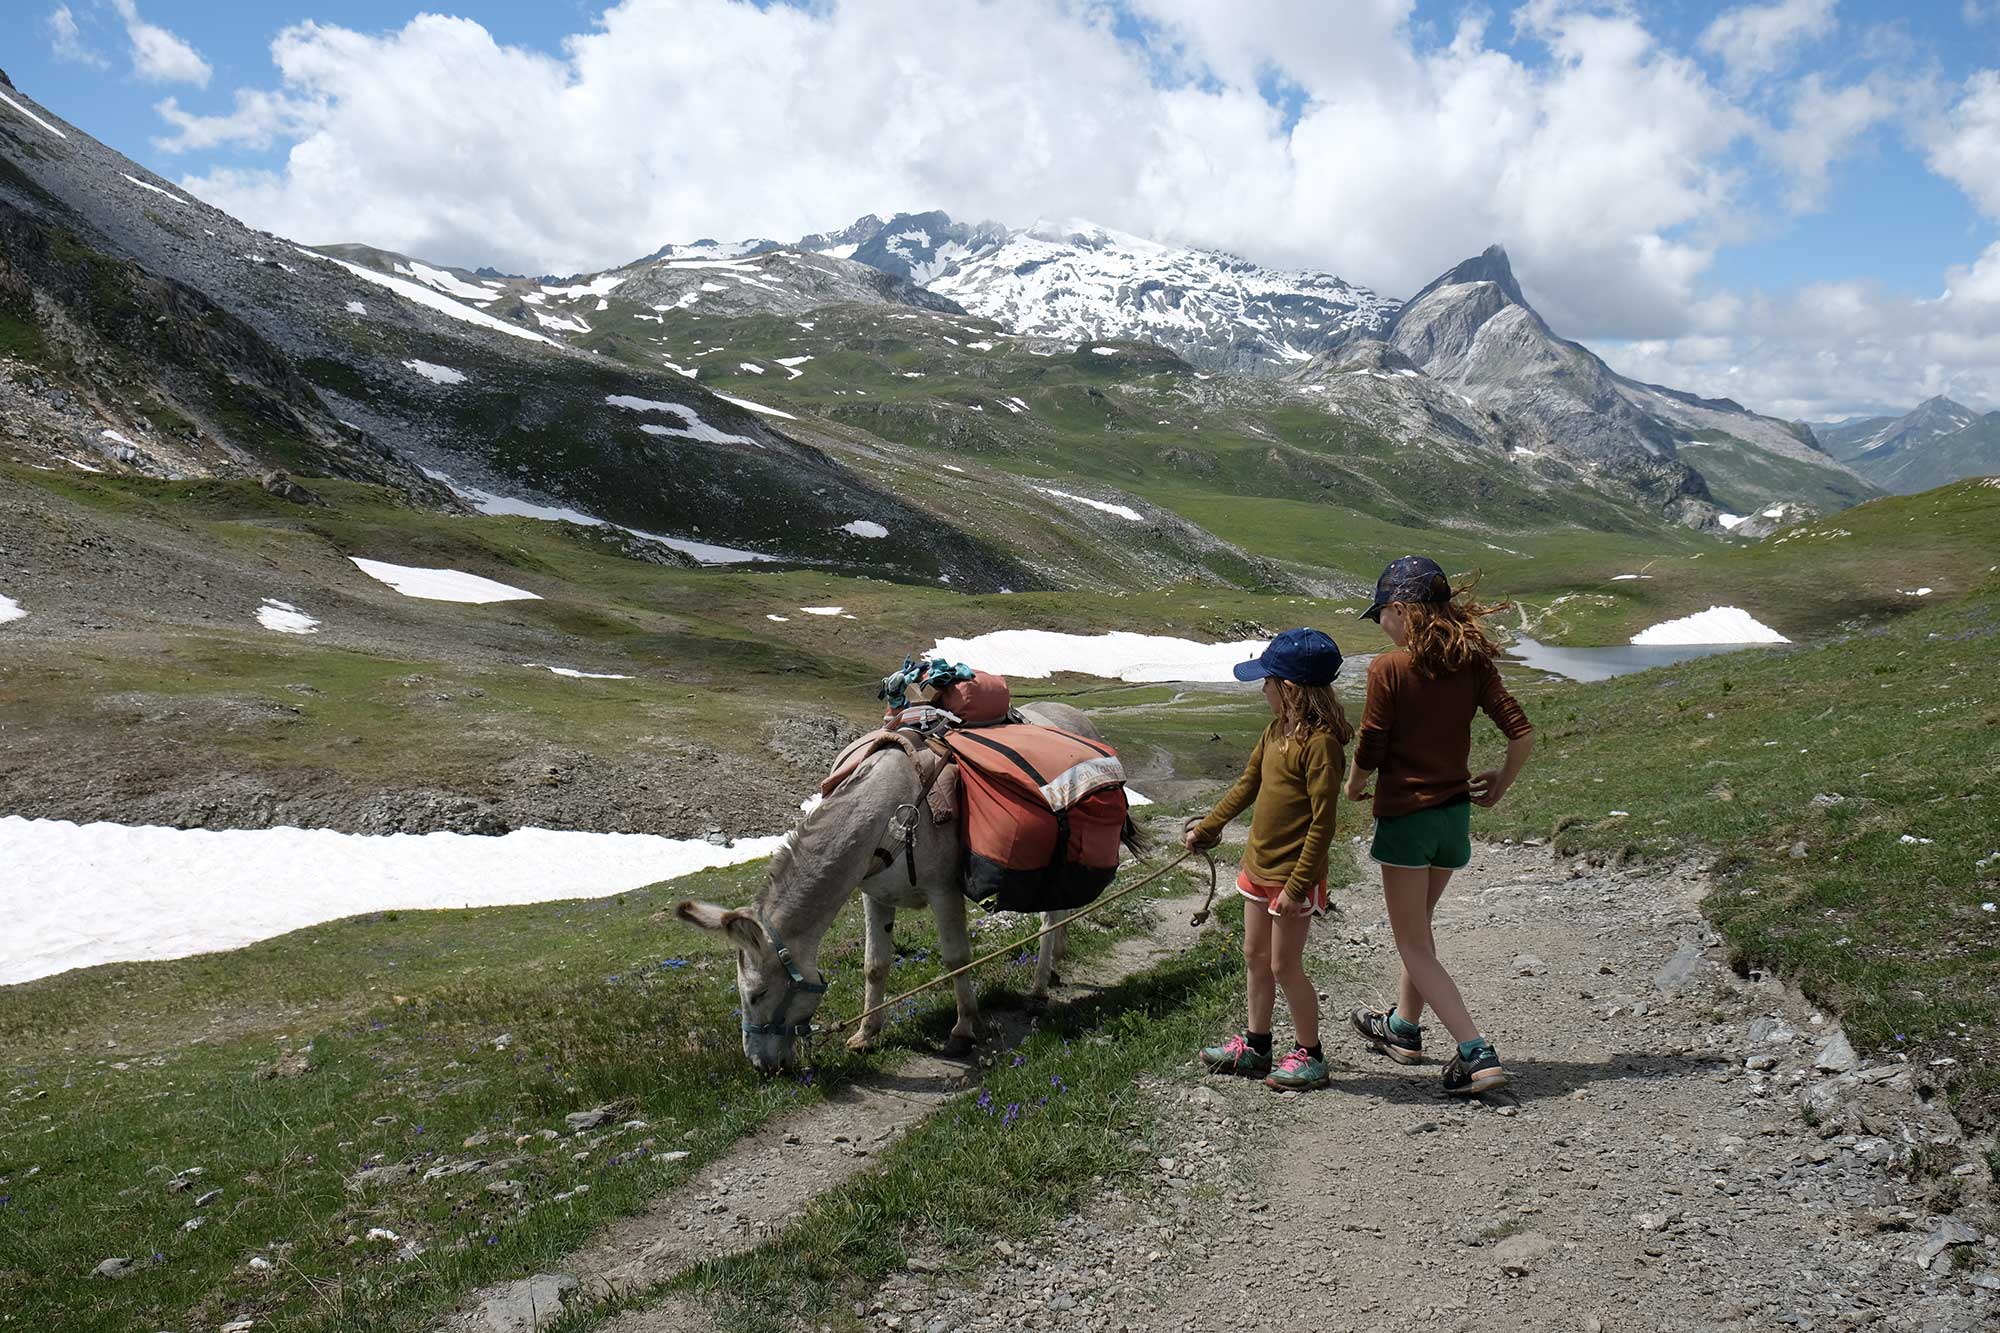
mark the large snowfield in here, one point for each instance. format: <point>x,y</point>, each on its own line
<point>1718,624</point>
<point>80,895</point>
<point>1035,653</point>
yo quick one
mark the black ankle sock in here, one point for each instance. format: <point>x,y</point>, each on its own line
<point>1259,1042</point>
<point>1314,1051</point>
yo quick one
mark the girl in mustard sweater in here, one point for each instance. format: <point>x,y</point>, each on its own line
<point>1294,778</point>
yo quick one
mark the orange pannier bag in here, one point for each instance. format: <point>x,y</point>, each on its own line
<point>1044,814</point>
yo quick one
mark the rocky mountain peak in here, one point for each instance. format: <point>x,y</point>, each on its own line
<point>1488,266</point>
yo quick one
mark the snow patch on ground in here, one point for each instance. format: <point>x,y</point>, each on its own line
<point>823,610</point>
<point>448,283</point>
<point>749,406</point>
<point>980,346</point>
<point>603,285</point>
<point>434,300</point>
<point>10,609</point>
<point>1730,520</point>
<point>560,322</point>
<point>285,618</point>
<point>574,674</point>
<point>32,116</point>
<point>1035,653</point>
<point>102,893</point>
<point>356,308</point>
<point>441,585</point>
<point>1121,511</point>
<point>862,527</point>
<point>1105,351</point>
<point>148,185</point>
<point>502,505</point>
<point>435,373</point>
<point>1914,592</point>
<point>1718,624</point>
<point>116,438</point>
<point>692,427</point>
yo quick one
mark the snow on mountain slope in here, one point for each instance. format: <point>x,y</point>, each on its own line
<point>1076,281</point>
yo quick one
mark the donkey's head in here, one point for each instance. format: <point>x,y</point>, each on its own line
<point>778,998</point>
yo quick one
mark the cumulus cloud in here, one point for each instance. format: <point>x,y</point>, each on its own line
<point>159,56</point>
<point>1611,164</point>
<point>67,41</point>
<point>1965,143</point>
<point>1753,41</point>
<point>1602,168</point>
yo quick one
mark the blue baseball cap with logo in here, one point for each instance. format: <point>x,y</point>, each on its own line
<point>1414,578</point>
<point>1302,656</point>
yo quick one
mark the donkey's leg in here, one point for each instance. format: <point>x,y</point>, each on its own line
<point>955,943</point>
<point>1054,945</point>
<point>879,951</point>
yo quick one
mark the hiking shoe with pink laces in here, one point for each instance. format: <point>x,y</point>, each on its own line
<point>1299,1072</point>
<point>1235,1056</point>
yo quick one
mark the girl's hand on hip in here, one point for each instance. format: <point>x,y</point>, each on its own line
<point>1487,789</point>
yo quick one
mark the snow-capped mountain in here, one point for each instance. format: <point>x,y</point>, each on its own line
<point>1075,281</point>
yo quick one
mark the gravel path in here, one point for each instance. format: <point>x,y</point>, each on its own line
<point>1653,1166</point>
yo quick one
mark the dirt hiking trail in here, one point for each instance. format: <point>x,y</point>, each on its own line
<point>1681,1149</point>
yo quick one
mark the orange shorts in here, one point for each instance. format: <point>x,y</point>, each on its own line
<point>1268,893</point>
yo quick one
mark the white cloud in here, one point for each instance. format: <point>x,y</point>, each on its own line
<point>1601,168</point>
<point>1964,144</point>
<point>1824,125</point>
<point>1611,164</point>
<point>67,41</point>
<point>1753,41</point>
<point>158,56</point>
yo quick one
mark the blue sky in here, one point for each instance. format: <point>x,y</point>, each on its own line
<point>1883,219</point>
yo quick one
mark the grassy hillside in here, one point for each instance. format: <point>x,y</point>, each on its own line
<point>1858,566</point>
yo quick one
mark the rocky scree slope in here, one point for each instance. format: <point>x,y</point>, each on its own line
<point>348,370</point>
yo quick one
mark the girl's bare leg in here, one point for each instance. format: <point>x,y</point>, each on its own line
<point>1409,1000</point>
<point>1257,966</point>
<point>1288,968</point>
<point>1407,894</point>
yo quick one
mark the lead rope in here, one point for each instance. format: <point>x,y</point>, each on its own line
<point>1105,901</point>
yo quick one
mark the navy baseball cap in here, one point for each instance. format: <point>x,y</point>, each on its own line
<point>1414,578</point>
<point>1302,656</point>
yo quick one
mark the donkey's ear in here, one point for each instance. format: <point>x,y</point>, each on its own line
<point>739,926</point>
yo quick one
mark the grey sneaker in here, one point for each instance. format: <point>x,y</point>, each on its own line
<point>1374,1025</point>
<point>1480,1073</point>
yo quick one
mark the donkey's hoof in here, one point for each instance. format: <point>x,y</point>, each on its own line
<point>861,1042</point>
<point>958,1047</point>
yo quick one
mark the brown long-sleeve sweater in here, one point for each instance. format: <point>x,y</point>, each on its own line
<point>1296,786</point>
<point>1418,732</point>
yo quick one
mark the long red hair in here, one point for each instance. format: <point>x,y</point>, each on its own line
<point>1447,637</point>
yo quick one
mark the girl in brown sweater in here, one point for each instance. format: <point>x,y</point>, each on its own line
<point>1294,778</point>
<point>1416,738</point>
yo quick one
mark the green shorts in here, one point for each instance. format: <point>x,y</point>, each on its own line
<point>1440,837</point>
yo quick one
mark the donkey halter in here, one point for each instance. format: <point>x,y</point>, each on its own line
<point>795,985</point>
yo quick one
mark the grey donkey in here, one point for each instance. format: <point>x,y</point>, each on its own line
<point>815,872</point>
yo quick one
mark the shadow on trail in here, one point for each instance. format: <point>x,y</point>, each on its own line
<point>1528,1080</point>
<point>1007,1021</point>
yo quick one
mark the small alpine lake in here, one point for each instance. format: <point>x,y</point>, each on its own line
<point>1584,664</point>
